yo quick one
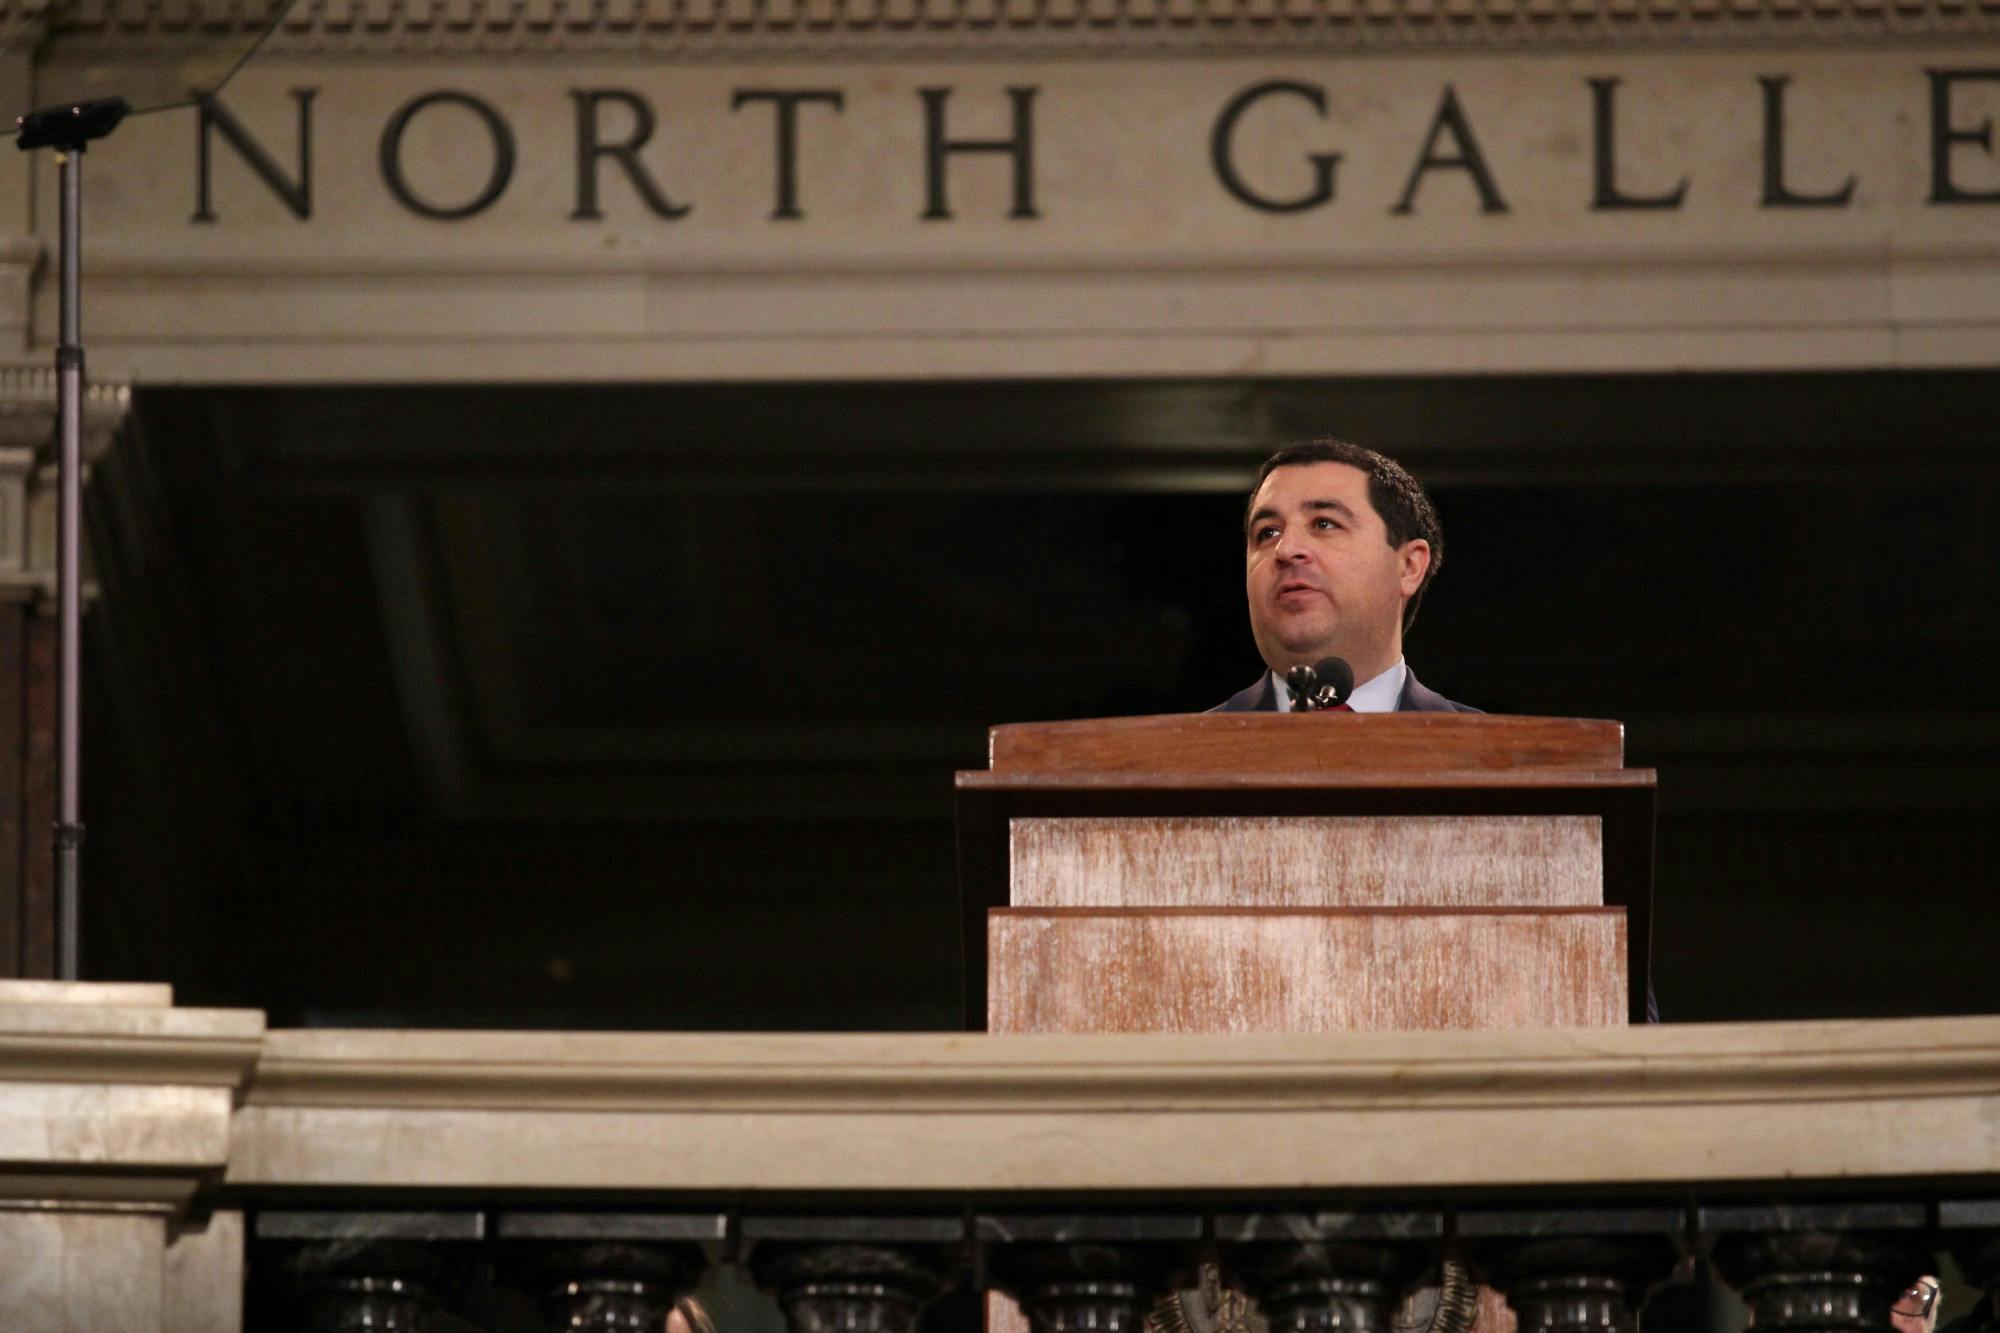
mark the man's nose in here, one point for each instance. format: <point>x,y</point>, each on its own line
<point>1288,547</point>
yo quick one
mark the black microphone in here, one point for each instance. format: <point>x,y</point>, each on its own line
<point>1325,684</point>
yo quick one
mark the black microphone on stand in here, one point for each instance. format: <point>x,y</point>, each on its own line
<point>1323,685</point>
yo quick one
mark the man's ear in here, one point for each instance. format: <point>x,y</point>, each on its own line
<point>1416,557</point>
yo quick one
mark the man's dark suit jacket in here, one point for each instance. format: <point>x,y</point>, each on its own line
<point>1263,698</point>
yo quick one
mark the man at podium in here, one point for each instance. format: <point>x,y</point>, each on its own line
<point>1339,544</point>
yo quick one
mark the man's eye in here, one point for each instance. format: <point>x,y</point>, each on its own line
<point>1324,522</point>
<point>1265,533</point>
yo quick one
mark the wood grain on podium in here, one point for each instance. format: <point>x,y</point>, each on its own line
<point>1223,970</point>
<point>1307,861</point>
<point>1207,743</point>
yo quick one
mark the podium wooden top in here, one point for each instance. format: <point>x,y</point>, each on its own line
<point>1295,743</point>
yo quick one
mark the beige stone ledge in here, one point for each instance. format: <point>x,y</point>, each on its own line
<point>600,360</point>
<point>126,994</point>
<point>331,321</point>
<point>164,1195</point>
<point>135,265</point>
<point>951,1071</point>
<point>967,1113</point>
<point>100,1043</point>
<point>111,1100</point>
<point>114,1115</point>
<point>106,1107</point>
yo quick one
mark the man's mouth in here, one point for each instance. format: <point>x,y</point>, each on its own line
<point>1291,586</point>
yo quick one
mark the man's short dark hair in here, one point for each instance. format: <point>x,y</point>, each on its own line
<point>1406,511</point>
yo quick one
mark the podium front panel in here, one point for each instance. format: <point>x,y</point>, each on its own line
<point>1341,970</point>
<point>1307,861</point>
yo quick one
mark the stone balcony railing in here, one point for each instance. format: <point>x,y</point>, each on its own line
<point>156,1163</point>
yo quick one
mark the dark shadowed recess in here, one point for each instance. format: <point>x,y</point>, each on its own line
<point>637,706</point>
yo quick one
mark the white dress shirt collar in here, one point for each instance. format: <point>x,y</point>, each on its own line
<point>1379,695</point>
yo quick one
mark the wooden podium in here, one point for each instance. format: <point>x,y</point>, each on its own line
<point>1267,872</point>
<point>1236,872</point>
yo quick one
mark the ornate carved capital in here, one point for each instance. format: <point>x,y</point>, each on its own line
<point>28,469</point>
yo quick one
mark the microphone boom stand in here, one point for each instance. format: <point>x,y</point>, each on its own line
<point>68,129</point>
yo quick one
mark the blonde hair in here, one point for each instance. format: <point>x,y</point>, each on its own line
<point>694,1315</point>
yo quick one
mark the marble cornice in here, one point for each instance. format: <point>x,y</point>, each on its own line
<point>698,30</point>
<point>140,1044</point>
<point>954,1115</point>
<point>940,1072</point>
<point>113,1101</point>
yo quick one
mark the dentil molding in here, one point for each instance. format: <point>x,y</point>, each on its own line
<point>698,30</point>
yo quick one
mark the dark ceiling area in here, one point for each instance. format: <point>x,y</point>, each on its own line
<point>637,706</point>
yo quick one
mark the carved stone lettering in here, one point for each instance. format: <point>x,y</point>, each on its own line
<point>938,147</point>
<point>785,103</point>
<point>1777,194</point>
<point>618,124</point>
<point>1946,135</point>
<point>590,147</point>
<point>295,192</point>
<point>1605,194</point>
<point>1222,149</point>
<point>1450,119</point>
<point>392,156</point>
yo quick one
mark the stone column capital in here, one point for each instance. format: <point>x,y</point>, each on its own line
<point>28,469</point>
